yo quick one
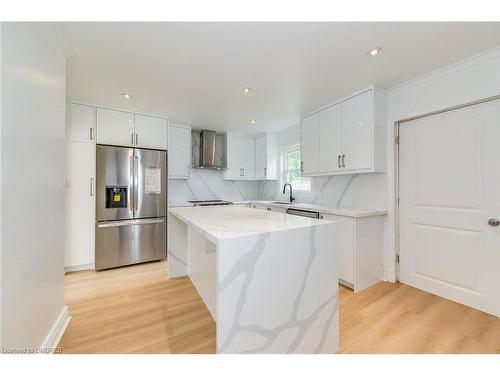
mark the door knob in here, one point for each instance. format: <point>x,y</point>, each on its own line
<point>493,222</point>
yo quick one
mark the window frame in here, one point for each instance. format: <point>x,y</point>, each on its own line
<point>284,150</point>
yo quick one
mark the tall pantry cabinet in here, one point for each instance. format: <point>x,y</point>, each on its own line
<point>80,187</point>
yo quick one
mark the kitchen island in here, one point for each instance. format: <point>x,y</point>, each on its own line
<point>268,279</point>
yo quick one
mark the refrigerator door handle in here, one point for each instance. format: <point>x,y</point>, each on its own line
<point>124,223</point>
<point>136,183</point>
<point>131,194</point>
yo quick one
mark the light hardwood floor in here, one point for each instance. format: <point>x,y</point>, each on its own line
<point>137,310</point>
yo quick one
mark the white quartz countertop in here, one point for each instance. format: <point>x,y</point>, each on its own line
<point>222,222</point>
<point>352,212</point>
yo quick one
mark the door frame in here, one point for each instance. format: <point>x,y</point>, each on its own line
<point>397,125</point>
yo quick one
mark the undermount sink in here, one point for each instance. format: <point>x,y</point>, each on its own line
<point>281,202</point>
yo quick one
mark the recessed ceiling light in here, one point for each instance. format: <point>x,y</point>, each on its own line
<point>375,51</point>
<point>247,90</point>
<point>126,95</point>
<point>252,121</point>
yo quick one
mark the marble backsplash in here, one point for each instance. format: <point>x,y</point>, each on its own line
<point>208,184</point>
<point>363,191</point>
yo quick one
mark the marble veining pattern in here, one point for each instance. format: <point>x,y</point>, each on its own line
<point>359,191</point>
<point>318,310</point>
<point>208,184</point>
<point>220,222</point>
<point>276,287</point>
<point>271,334</point>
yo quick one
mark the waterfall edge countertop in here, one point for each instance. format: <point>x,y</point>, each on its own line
<point>221,222</point>
<point>268,279</point>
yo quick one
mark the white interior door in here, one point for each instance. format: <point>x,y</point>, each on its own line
<point>448,190</point>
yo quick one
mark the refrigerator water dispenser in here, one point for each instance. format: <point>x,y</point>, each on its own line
<point>116,196</point>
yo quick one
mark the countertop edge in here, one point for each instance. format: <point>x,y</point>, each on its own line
<point>351,212</point>
<point>216,240</point>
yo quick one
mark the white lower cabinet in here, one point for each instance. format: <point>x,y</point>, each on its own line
<point>80,201</point>
<point>359,244</point>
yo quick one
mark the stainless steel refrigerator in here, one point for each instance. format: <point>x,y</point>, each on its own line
<point>131,205</point>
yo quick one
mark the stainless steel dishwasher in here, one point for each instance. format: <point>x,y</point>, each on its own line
<point>300,212</point>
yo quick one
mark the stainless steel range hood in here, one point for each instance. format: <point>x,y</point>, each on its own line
<point>208,150</point>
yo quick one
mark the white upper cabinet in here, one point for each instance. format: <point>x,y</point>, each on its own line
<point>266,157</point>
<point>248,157</point>
<point>347,137</point>
<point>330,138</point>
<point>179,151</point>
<point>115,127</point>
<point>234,157</point>
<point>150,132</point>
<point>128,129</point>
<point>81,119</point>
<point>357,127</point>
<point>261,157</point>
<point>240,158</point>
<point>310,144</point>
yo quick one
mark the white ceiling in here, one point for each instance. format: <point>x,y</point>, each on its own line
<point>195,72</point>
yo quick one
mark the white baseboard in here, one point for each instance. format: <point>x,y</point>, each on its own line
<point>56,332</point>
<point>81,267</point>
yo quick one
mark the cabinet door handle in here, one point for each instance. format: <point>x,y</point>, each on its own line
<point>301,166</point>
<point>136,138</point>
<point>343,161</point>
<point>338,162</point>
<point>132,138</point>
<point>91,133</point>
<point>91,186</point>
<point>265,171</point>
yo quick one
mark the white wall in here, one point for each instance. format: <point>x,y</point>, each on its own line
<point>32,183</point>
<point>470,80</point>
